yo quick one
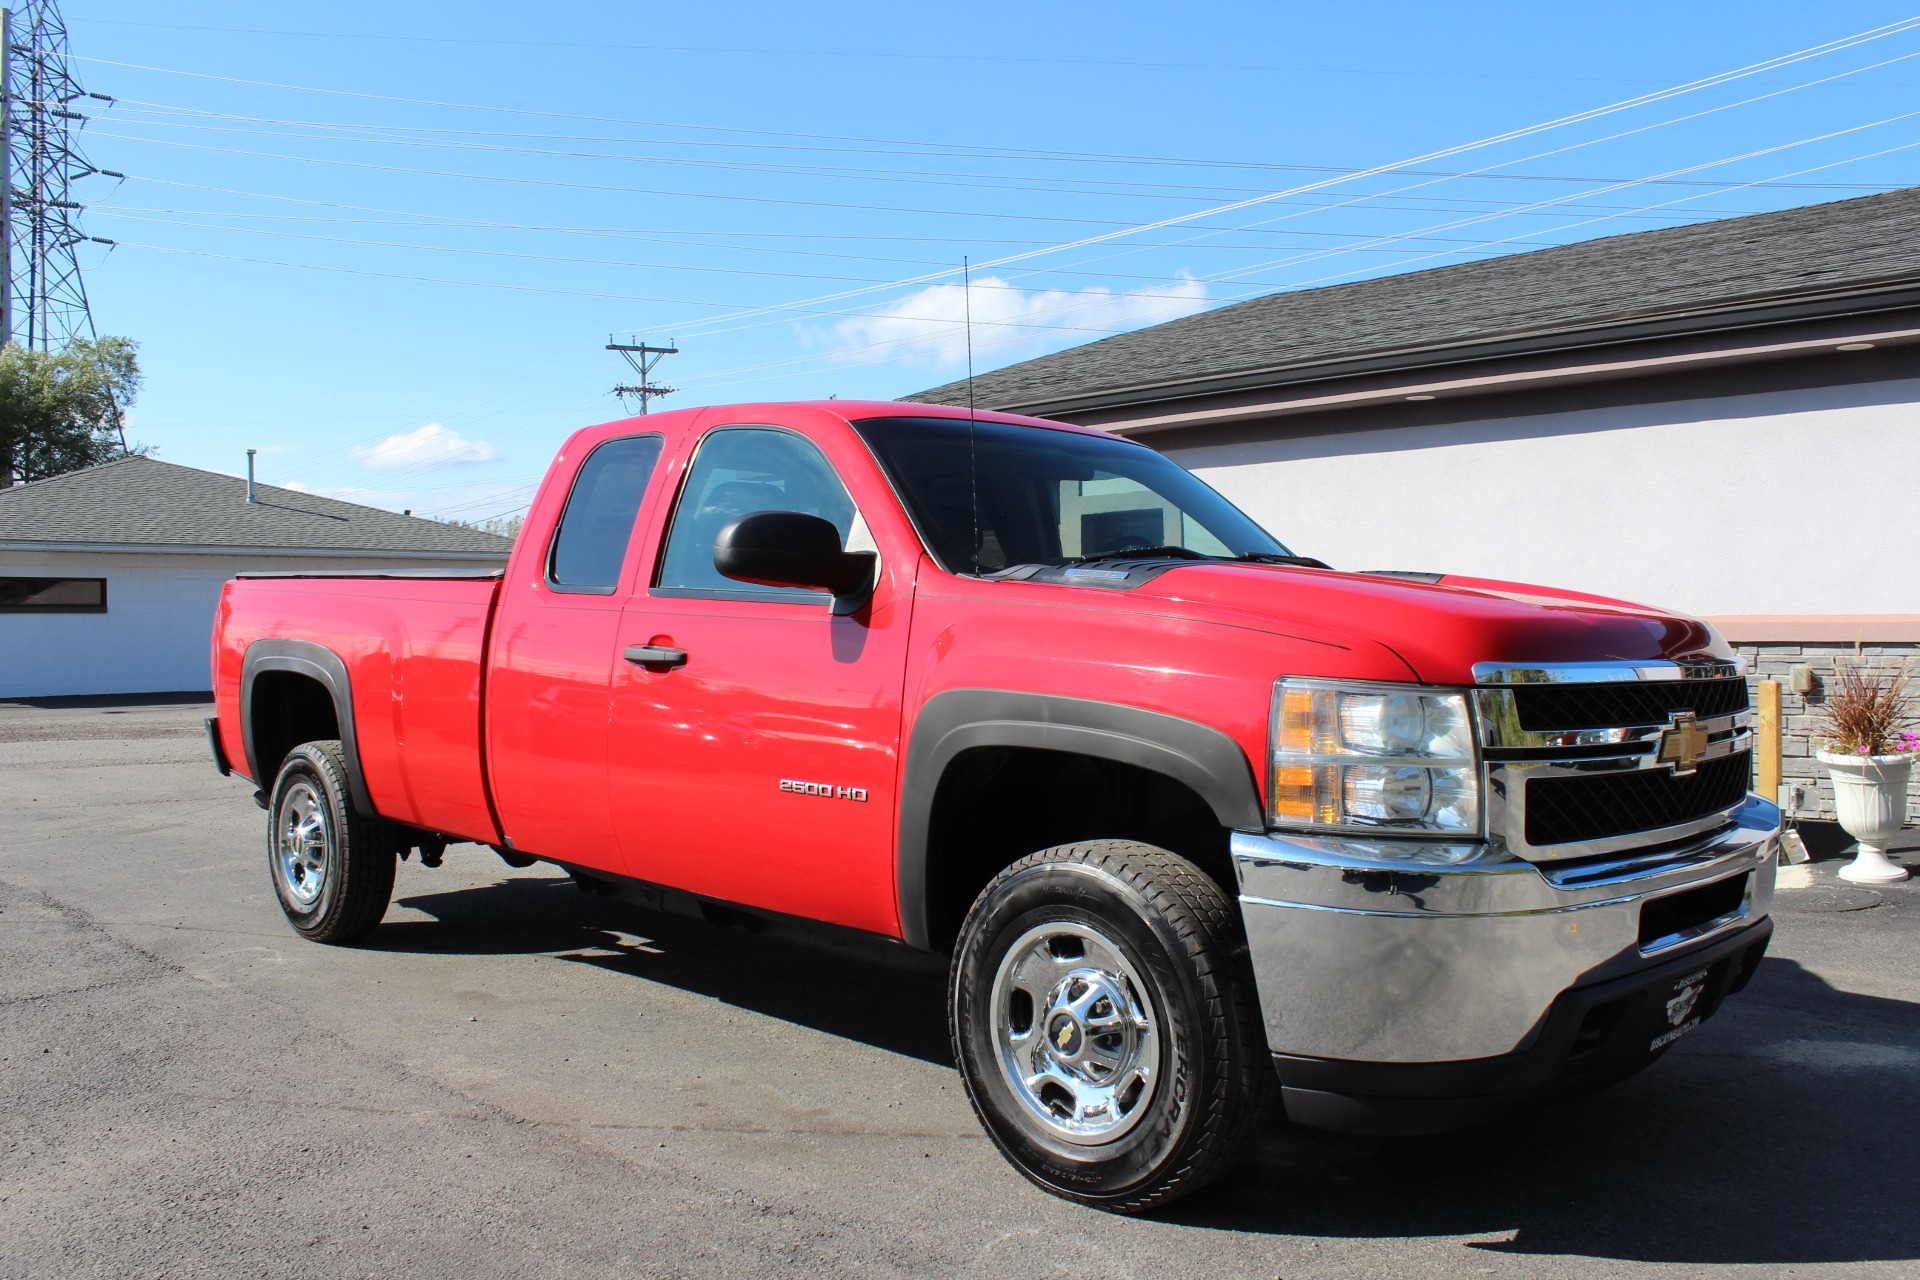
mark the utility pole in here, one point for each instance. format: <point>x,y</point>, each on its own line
<point>643,358</point>
<point>46,303</point>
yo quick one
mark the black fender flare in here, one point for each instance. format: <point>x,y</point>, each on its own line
<point>319,663</point>
<point>1198,755</point>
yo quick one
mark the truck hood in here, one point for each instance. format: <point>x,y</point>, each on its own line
<point>1439,628</point>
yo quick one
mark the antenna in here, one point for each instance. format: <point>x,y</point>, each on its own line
<point>973,450</point>
<point>642,357</point>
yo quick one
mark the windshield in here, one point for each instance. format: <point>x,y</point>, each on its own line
<point>1049,497</point>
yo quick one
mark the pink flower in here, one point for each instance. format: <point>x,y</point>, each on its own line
<point>1865,752</point>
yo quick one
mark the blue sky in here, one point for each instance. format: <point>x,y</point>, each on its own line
<point>386,244</point>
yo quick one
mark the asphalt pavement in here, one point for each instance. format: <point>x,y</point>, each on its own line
<point>511,1078</point>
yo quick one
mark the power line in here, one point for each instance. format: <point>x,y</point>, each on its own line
<point>1427,158</point>
<point>861,54</point>
<point>1420,233</point>
<point>756,308</point>
<point>1830,46</point>
<point>740,319</point>
<point>385,135</point>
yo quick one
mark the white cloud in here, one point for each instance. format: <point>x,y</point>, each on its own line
<point>929,327</point>
<point>431,443</point>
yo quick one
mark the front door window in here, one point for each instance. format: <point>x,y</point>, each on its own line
<point>738,471</point>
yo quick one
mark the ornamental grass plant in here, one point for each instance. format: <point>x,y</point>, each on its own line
<point>1867,713</point>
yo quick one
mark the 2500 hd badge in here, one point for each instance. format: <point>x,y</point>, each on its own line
<point>825,790</point>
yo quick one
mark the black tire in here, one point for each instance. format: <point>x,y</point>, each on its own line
<point>332,867</point>
<point>1210,1087</point>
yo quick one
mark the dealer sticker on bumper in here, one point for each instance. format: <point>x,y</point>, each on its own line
<point>1680,1016</point>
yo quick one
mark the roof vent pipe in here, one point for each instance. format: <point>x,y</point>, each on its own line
<point>250,454</point>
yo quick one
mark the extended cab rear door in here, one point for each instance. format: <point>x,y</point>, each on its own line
<point>553,652</point>
<point>761,769</point>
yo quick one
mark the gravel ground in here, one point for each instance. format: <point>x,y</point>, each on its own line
<point>514,1079</point>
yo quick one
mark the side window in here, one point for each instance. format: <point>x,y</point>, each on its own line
<point>53,595</point>
<point>740,470</point>
<point>598,521</point>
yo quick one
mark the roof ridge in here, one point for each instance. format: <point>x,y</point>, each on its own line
<point>172,504</point>
<point>1822,253</point>
<point>81,471</point>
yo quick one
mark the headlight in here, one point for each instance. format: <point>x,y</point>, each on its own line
<point>1379,756</point>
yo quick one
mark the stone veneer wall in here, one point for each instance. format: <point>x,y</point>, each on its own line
<point>1798,712</point>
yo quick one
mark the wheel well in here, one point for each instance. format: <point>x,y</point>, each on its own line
<point>996,805</point>
<point>288,709</point>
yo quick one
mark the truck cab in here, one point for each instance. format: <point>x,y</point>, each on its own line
<point>1206,826</point>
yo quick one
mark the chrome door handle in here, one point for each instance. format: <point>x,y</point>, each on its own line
<point>656,655</point>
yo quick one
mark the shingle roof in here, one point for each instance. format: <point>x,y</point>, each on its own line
<point>145,503</point>
<point>1704,269</point>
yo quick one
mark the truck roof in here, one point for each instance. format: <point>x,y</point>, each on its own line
<point>855,410</point>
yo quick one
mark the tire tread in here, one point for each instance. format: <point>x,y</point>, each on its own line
<point>1206,923</point>
<point>367,860</point>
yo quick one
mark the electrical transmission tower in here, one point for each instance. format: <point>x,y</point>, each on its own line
<point>45,302</point>
<point>643,358</point>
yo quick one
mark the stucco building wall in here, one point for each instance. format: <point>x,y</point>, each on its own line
<point>1785,502</point>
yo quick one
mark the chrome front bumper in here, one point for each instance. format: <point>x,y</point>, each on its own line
<point>1397,952</point>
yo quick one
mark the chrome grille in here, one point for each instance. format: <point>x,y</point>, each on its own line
<point>1573,753</point>
<point>1545,707</point>
<point>1594,806</point>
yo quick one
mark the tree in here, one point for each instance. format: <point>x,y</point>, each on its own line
<point>504,526</point>
<point>64,410</point>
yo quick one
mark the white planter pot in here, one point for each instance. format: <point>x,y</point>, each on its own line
<point>1870,795</point>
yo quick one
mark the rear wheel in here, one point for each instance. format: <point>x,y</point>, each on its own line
<point>1105,1024</point>
<point>332,867</point>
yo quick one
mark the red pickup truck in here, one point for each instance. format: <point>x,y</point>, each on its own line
<point>1205,825</point>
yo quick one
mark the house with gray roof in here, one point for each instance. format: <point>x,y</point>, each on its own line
<point>109,577</point>
<point>1722,418</point>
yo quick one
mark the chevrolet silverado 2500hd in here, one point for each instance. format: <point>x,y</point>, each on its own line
<point>1203,824</point>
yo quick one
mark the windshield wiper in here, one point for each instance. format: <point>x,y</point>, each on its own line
<point>1275,557</point>
<point>1140,553</point>
<point>1027,569</point>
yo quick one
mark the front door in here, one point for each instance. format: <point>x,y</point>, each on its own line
<point>760,769</point>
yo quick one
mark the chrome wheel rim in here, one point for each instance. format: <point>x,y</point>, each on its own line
<point>1076,1037</point>
<point>300,846</point>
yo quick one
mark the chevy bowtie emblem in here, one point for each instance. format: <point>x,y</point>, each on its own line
<point>1682,743</point>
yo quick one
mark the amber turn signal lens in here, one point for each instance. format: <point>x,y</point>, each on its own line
<point>1293,792</point>
<point>1296,721</point>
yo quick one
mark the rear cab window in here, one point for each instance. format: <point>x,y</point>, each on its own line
<point>590,544</point>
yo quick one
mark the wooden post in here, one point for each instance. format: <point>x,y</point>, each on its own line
<point>1767,767</point>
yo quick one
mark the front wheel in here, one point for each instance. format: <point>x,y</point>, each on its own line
<point>1105,1024</point>
<point>332,866</point>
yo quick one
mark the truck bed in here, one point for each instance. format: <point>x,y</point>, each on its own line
<point>414,647</point>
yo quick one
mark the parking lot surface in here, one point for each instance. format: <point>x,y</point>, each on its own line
<point>511,1078</point>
